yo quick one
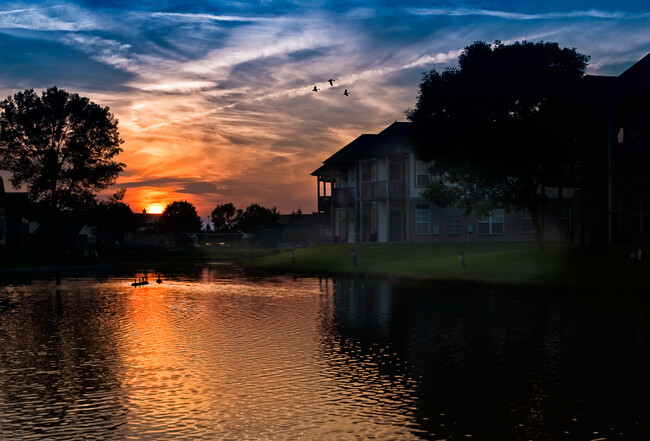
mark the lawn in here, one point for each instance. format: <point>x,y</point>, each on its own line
<point>514,264</point>
<point>503,263</point>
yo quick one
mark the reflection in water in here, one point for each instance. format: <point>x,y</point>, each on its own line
<point>495,365</point>
<point>217,355</point>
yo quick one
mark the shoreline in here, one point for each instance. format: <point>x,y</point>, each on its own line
<point>509,266</point>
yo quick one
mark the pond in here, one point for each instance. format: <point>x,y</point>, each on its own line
<point>217,354</point>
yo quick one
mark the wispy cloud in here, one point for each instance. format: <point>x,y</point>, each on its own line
<point>590,13</point>
<point>52,18</point>
<point>186,16</point>
<point>216,104</point>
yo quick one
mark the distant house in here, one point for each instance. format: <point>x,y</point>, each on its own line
<point>14,224</point>
<point>76,232</point>
<point>371,191</point>
<point>614,199</point>
<point>147,232</point>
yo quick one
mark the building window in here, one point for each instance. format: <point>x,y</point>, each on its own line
<point>527,221</point>
<point>640,215</point>
<point>421,174</point>
<point>453,225</point>
<point>395,170</point>
<point>492,224</point>
<point>369,171</point>
<point>422,219</point>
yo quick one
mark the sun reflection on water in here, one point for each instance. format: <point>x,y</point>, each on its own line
<point>216,354</point>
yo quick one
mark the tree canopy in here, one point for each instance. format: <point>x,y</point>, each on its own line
<point>114,218</point>
<point>252,220</point>
<point>225,217</point>
<point>499,126</point>
<point>257,218</point>
<point>60,145</point>
<point>181,217</point>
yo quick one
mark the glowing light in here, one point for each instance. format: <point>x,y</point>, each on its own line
<point>155,208</point>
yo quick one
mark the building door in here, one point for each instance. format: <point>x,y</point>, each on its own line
<point>395,226</point>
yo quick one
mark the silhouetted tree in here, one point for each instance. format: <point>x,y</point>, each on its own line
<point>114,218</point>
<point>181,217</point>
<point>256,218</point>
<point>500,126</point>
<point>225,217</point>
<point>61,146</point>
<point>295,217</point>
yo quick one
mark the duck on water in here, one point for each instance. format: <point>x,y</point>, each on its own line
<point>145,281</point>
<point>141,281</point>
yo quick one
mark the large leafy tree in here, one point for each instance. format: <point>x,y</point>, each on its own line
<point>500,126</point>
<point>225,217</point>
<point>257,218</point>
<point>60,145</point>
<point>114,218</point>
<point>181,217</point>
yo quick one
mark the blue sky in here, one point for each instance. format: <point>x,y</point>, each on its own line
<point>214,98</point>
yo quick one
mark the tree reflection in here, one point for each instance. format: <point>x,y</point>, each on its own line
<point>492,364</point>
<point>52,364</point>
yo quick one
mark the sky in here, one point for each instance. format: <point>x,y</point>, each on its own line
<point>215,99</point>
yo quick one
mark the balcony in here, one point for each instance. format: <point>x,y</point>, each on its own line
<point>373,191</point>
<point>324,204</point>
<point>343,196</point>
<point>382,190</point>
<point>396,190</point>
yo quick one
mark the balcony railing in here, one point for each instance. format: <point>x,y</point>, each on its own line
<point>382,190</point>
<point>396,190</point>
<point>324,204</point>
<point>343,196</point>
<point>373,191</point>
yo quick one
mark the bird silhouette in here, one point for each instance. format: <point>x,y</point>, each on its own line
<point>331,81</point>
<point>346,93</point>
<point>315,89</point>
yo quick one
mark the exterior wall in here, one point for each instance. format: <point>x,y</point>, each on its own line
<point>382,222</point>
<point>376,210</point>
<point>448,225</point>
<point>352,237</point>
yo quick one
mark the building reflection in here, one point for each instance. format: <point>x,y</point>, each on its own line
<point>493,364</point>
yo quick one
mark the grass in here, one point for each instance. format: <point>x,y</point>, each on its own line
<point>513,264</point>
<point>499,264</point>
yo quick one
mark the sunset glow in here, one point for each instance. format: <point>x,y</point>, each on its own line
<point>217,106</point>
<point>155,209</point>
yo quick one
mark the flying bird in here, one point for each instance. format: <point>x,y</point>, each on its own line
<point>331,81</point>
<point>315,89</point>
<point>346,93</point>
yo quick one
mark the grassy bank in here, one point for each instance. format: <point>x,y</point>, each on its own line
<point>502,264</point>
<point>495,264</point>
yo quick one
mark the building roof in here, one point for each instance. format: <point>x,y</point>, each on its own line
<point>393,139</point>
<point>12,200</point>
<point>633,83</point>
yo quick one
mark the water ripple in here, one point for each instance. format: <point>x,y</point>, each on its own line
<point>219,356</point>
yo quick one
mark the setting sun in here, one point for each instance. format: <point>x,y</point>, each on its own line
<point>155,208</point>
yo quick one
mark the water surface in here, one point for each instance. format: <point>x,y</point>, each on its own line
<point>215,354</point>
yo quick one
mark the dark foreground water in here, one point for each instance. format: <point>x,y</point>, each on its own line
<point>217,355</point>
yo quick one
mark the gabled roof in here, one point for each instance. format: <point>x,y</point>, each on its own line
<point>12,200</point>
<point>638,72</point>
<point>633,83</point>
<point>393,139</point>
<point>636,80</point>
